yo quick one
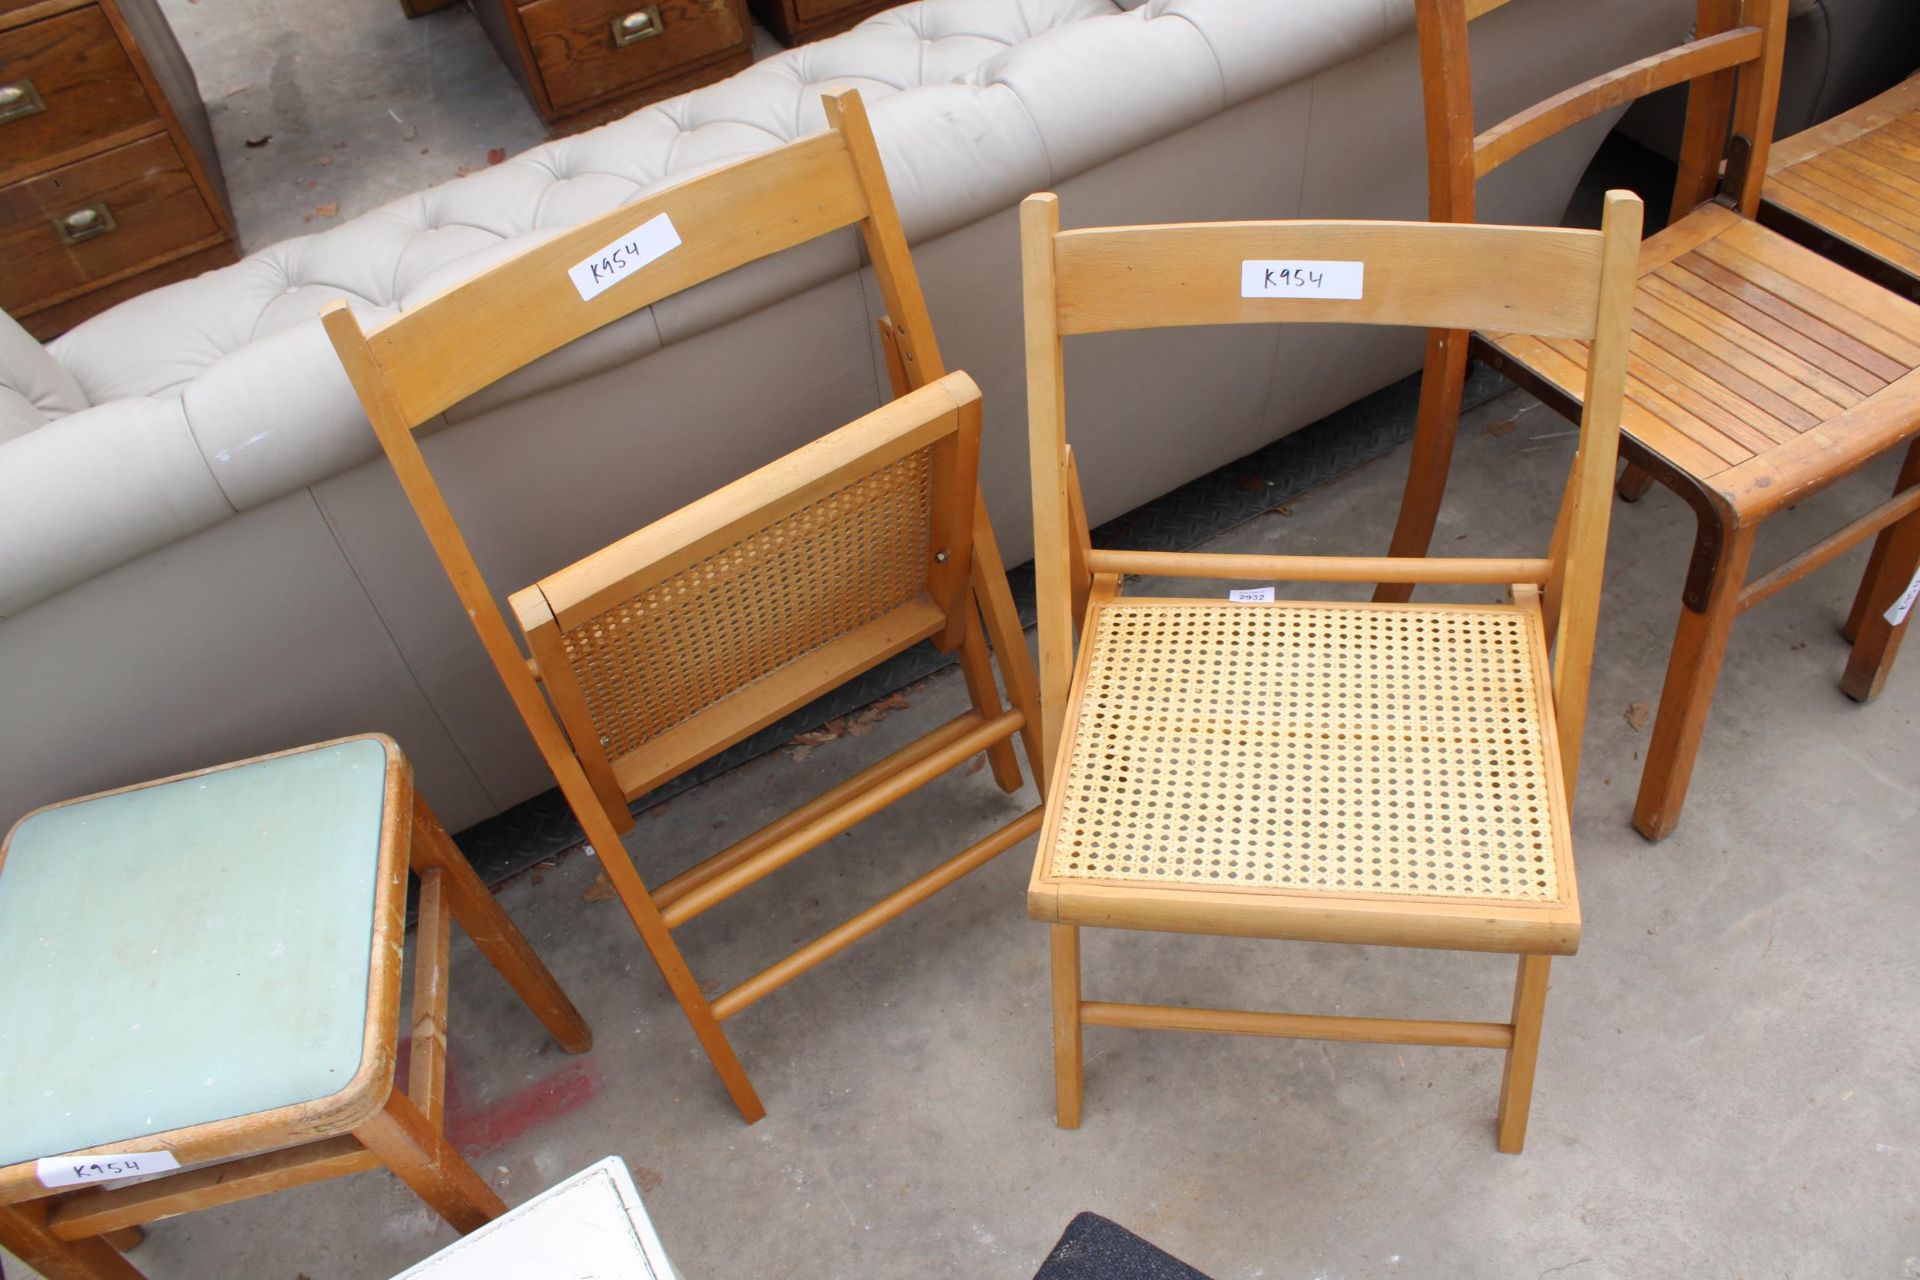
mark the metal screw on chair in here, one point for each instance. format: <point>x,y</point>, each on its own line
<point>641,24</point>
<point>939,557</point>
<point>81,220</point>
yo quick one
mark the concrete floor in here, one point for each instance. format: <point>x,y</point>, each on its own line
<point>1727,1083</point>
<point>357,104</point>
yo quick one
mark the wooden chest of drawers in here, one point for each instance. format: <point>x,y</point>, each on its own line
<point>798,21</point>
<point>108,181</point>
<point>583,62</point>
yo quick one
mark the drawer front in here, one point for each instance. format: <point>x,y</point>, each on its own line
<point>64,82</point>
<point>142,201</point>
<point>579,58</point>
<point>815,10</point>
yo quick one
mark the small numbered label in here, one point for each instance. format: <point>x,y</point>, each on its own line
<point>71,1171</point>
<point>648,242</point>
<point>1904,605</point>
<point>1302,278</point>
<point>1252,595</point>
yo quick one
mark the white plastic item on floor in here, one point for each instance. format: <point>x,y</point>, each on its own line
<point>593,1224</point>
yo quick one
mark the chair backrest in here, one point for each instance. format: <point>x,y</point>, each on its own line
<point>1732,67</point>
<point>688,635</point>
<point>412,367</point>
<point>1548,282</point>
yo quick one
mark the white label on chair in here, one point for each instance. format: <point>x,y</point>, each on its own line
<point>648,242</point>
<point>1904,605</point>
<point>1252,595</point>
<point>1293,278</point>
<point>71,1171</point>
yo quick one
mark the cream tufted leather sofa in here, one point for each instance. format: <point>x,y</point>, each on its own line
<point>202,555</point>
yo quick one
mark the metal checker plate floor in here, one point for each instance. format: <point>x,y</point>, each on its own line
<point>1312,747</point>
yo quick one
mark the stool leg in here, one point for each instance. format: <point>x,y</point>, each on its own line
<point>1516,1081</point>
<point>422,1158</point>
<point>1443,382</point>
<point>23,1230</point>
<point>480,914</point>
<point>1633,483</point>
<point>1067,1032</point>
<point>1692,671</point>
<point>1863,598</point>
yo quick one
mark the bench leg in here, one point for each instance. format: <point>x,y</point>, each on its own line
<point>24,1232</point>
<point>1692,671</point>
<point>1067,1033</point>
<point>498,938</point>
<point>421,1157</point>
<point>1516,1081</point>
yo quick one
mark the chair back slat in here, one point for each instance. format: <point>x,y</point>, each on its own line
<point>1542,281</point>
<point>656,633</point>
<point>1732,65</point>
<point>476,333</point>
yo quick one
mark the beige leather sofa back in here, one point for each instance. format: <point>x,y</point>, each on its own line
<point>201,555</point>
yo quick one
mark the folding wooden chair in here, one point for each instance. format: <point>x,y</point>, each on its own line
<point>686,637</point>
<point>1759,373</point>
<point>1391,774</point>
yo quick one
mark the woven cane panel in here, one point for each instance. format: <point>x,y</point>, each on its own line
<point>1317,748</point>
<point>716,627</point>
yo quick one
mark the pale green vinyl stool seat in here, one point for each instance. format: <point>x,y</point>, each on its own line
<point>203,974</point>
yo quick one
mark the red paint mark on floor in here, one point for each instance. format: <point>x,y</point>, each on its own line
<point>475,1129</point>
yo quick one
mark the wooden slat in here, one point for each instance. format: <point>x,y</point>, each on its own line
<point>1707,323</point>
<point>1196,564</point>
<point>712,731</point>
<point>1764,485</point>
<point>1566,368</point>
<point>1829,548</point>
<point>1519,279</point>
<point>1838,220</point>
<point>1845,128</point>
<point>1305,1026</point>
<point>1611,89</point>
<point>1752,318</point>
<point>1877,206</point>
<point>1844,173</point>
<point>1784,312</point>
<point>1695,406</point>
<point>1714,372</point>
<point>1878,318</point>
<point>1893,153</point>
<point>447,348</point>
<point>93,1212</point>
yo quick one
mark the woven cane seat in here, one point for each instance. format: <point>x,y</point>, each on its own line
<point>1381,751</point>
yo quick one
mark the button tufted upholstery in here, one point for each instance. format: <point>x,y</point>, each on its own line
<point>203,556</point>
<point>998,98</point>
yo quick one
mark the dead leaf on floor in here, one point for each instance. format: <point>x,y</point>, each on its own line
<point>645,1179</point>
<point>324,161</point>
<point>599,891</point>
<point>328,210</point>
<point>239,88</point>
<point>424,150</point>
<point>260,141</point>
<point>798,753</point>
<point>409,133</point>
<point>827,732</point>
<point>1637,715</point>
<point>868,718</point>
<point>464,170</point>
<point>1504,427</point>
<point>496,154</point>
<point>979,762</point>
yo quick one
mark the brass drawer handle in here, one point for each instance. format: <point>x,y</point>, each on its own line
<point>84,223</point>
<point>641,24</point>
<point>18,98</point>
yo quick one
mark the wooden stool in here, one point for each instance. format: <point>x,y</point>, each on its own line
<point>203,973</point>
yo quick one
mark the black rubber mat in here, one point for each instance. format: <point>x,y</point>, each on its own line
<point>1270,477</point>
<point>1096,1249</point>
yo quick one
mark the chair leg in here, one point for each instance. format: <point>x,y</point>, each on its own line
<point>1443,381</point>
<point>1633,483</point>
<point>494,932</point>
<point>1863,598</point>
<point>421,1157</point>
<point>1516,1081</point>
<point>125,1238</point>
<point>1890,570</point>
<point>24,1232</point>
<point>976,666</point>
<point>1068,1078</point>
<point>1692,671</point>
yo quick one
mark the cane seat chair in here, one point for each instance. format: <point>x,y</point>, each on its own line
<point>1759,373</point>
<point>203,974</point>
<point>1380,773</point>
<point>684,638</point>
